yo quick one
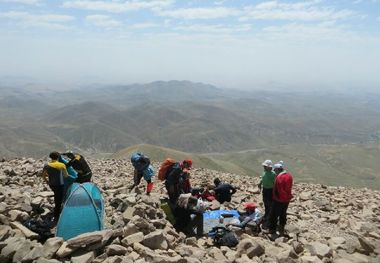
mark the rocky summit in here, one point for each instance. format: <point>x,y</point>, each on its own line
<point>325,224</point>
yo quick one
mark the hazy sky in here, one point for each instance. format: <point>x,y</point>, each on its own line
<point>231,43</point>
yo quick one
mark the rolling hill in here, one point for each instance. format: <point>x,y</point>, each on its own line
<point>314,132</point>
<point>347,165</point>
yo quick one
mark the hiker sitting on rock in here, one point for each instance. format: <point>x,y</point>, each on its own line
<point>53,174</point>
<point>223,191</point>
<point>186,217</point>
<point>178,180</point>
<point>208,193</point>
<point>252,218</point>
<point>80,165</point>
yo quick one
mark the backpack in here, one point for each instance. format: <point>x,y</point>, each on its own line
<point>223,237</point>
<point>148,173</point>
<point>139,161</point>
<point>165,168</point>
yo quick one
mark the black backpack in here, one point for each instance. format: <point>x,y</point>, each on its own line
<point>223,237</point>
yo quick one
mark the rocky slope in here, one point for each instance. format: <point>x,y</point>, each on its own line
<point>325,224</point>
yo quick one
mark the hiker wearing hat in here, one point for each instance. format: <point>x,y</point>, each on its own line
<point>253,217</point>
<point>178,180</point>
<point>282,194</point>
<point>267,183</point>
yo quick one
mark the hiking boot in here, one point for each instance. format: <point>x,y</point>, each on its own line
<point>281,230</point>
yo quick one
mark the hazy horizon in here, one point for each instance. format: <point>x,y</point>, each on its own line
<point>244,44</point>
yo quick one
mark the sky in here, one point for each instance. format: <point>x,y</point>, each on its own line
<point>230,43</point>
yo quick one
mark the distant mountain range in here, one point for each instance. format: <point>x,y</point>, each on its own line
<point>193,118</point>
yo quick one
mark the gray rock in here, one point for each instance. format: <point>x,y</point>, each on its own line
<point>35,253</point>
<point>130,229</point>
<point>155,240</point>
<point>334,219</point>
<point>366,245</point>
<point>358,258</point>
<point>5,232</point>
<point>24,249</point>
<point>342,260</point>
<point>287,256</point>
<point>46,194</point>
<point>310,259</point>
<point>304,196</point>
<point>134,238</point>
<point>217,254</point>
<point>65,250</point>
<point>44,260</point>
<point>189,251</point>
<point>51,246</point>
<point>17,215</point>
<point>298,247</point>
<point>27,233</point>
<point>249,247</point>
<point>11,246</point>
<point>90,238</point>
<point>128,214</point>
<point>320,250</point>
<point>85,258</point>
<point>116,250</point>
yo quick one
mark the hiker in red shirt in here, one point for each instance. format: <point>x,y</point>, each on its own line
<point>282,194</point>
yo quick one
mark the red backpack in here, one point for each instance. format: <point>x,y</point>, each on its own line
<point>164,168</point>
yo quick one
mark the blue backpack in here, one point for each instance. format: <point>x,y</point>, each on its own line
<point>139,161</point>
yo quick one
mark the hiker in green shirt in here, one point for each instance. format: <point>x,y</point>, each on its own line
<point>267,183</point>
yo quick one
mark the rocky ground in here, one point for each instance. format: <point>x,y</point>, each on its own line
<point>325,224</point>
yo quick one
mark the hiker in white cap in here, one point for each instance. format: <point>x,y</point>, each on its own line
<point>282,194</point>
<point>267,183</point>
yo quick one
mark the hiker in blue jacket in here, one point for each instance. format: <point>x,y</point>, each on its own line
<point>143,169</point>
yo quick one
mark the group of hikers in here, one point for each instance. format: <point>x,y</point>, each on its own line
<point>186,204</point>
<point>56,175</point>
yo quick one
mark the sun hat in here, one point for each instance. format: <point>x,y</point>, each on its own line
<point>267,163</point>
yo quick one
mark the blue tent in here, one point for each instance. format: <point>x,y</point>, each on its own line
<point>211,218</point>
<point>83,211</point>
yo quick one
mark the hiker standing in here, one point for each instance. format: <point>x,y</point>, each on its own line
<point>267,183</point>
<point>223,191</point>
<point>142,168</point>
<point>177,180</point>
<point>282,194</point>
<point>53,173</point>
<point>81,166</point>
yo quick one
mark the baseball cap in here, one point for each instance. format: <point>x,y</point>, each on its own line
<point>250,205</point>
